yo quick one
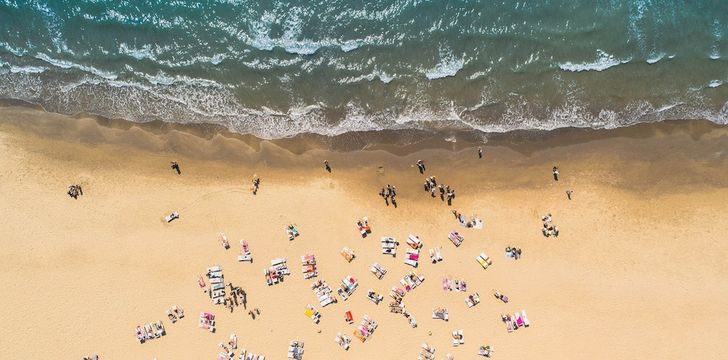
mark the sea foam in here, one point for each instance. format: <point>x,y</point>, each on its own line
<point>603,62</point>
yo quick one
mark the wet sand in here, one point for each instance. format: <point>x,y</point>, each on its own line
<point>637,272</point>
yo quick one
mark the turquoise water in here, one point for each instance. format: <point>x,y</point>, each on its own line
<point>276,69</point>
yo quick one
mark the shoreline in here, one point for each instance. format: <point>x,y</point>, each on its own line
<point>398,142</point>
<point>621,280</point>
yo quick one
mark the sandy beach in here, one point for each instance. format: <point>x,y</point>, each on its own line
<point>638,270</point>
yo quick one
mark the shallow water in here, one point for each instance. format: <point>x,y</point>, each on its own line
<point>276,69</point>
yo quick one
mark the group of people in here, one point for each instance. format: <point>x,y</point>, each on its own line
<point>549,229</point>
<point>237,297</point>
<point>445,191</point>
<point>474,222</point>
<point>513,252</point>
<point>74,191</point>
<point>389,194</point>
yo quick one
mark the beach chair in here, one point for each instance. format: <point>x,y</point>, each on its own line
<point>224,241</point>
<point>456,238</point>
<point>440,314</point>
<point>363,230</point>
<point>374,296</point>
<point>378,270</point>
<point>160,328</point>
<point>327,301</point>
<point>484,260</point>
<point>485,350</point>
<point>518,320</point>
<point>472,300</point>
<point>414,241</point>
<point>348,317</point>
<point>171,316</point>
<point>171,216</point>
<point>508,322</point>
<point>140,335</point>
<point>525,318</point>
<point>217,286</point>
<point>278,262</point>
<point>458,338</point>
<point>294,230</point>
<point>178,311</point>
<point>149,331</point>
<point>389,246</point>
<point>348,254</point>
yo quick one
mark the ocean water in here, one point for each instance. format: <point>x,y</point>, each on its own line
<point>279,68</point>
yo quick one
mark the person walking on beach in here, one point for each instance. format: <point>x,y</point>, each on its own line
<point>175,166</point>
<point>421,166</point>
<point>480,152</point>
<point>568,193</point>
<point>326,166</point>
<point>256,184</point>
<point>555,171</point>
<point>442,192</point>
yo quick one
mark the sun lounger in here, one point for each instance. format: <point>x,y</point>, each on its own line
<point>440,314</point>
<point>484,260</point>
<point>172,216</point>
<point>172,317</point>
<point>472,300</point>
<point>139,334</point>
<point>458,338</point>
<point>414,241</point>
<point>485,350</point>
<point>525,318</point>
<point>508,322</point>
<point>456,238</point>
<point>374,296</point>
<point>217,286</point>
<point>518,319</point>
<point>160,328</point>
<point>348,254</point>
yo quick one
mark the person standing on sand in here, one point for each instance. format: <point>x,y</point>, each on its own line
<point>480,153</point>
<point>421,166</point>
<point>256,184</point>
<point>555,171</point>
<point>568,193</point>
<point>326,166</point>
<point>175,166</point>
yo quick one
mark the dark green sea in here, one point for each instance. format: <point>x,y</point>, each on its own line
<point>279,68</point>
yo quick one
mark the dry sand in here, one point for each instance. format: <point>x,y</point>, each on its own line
<point>638,271</point>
